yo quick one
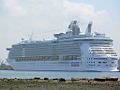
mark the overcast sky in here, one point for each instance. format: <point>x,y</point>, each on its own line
<point>43,18</point>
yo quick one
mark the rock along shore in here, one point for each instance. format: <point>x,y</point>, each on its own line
<point>104,83</point>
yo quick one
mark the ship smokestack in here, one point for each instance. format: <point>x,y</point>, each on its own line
<point>74,27</point>
<point>88,30</point>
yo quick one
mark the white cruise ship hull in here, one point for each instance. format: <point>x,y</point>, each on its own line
<point>70,51</point>
<point>56,66</point>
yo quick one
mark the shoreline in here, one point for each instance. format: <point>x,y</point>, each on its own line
<point>75,83</point>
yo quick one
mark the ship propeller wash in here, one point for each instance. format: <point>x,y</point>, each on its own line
<point>70,51</point>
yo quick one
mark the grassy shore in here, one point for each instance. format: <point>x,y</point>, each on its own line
<point>41,84</point>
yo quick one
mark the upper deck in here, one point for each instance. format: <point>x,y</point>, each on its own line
<point>74,35</point>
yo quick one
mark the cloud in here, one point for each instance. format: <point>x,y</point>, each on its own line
<point>51,9</point>
<point>38,15</point>
<point>13,7</point>
<point>45,17</point>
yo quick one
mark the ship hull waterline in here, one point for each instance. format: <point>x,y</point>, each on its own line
<point>57,66</point>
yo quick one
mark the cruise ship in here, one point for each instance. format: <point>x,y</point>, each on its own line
<point>69,51</point>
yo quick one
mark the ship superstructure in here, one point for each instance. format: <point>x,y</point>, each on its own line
<point>71,51</point>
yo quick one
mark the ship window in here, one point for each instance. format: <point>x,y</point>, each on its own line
<point>114,58</point>
<point>101,58</point>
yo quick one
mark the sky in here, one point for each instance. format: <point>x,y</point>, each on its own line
<point>42,18</point>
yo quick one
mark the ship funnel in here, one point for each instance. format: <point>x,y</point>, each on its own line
<point>88,30</point>
<point>74,27</point>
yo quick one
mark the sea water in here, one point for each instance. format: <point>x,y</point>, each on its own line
<point>55,74</point>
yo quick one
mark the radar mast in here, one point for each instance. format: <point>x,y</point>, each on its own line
<point>74,27</point>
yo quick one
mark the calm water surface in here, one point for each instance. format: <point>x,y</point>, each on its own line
<point>50,74</point>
